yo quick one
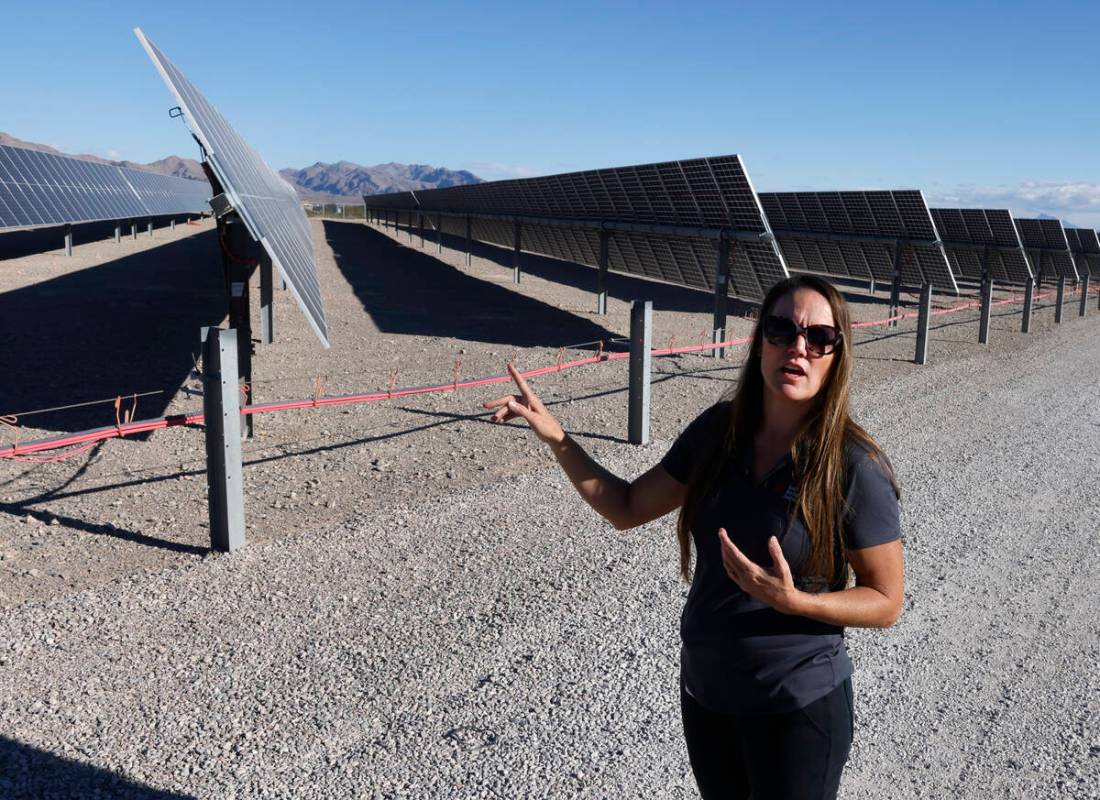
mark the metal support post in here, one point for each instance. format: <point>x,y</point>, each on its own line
<point>439,233</point>
<point>221,410</point>
<point>895,298</point>
<point>410,227</point>
<point>515,251</point>
<point>871,286</point>
<point>1060,297</point>
<point>1029,304</point>
<point>118,232</point>
<point>469,237</point>
<point>133,230</point>
<point>601,274</point>
<point>267,304</point>
<point>895,287</point>
<point>420,222</point>
<point>68,240</point>
<point>1084,304</point>
<point>240,316</point>
<point>987,309</point>
<point>172,224</point>
<point>641,342</point>
<point>923,319</point>
<point>721,294</point>
<point>149,226</point>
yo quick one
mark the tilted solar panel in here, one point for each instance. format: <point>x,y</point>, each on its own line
<point>810,228</point>
<point>704,193</point>
<point>1085,245</point>
<point>971,234</point>
<point>266,203</point>
<point>43,189</point>
<point>1046,240</point>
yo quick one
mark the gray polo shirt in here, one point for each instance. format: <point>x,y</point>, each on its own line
<point>740,655</point>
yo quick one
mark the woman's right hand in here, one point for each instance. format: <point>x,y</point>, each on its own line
<point>526,404</point>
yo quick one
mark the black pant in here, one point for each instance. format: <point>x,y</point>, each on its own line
<point>797,755</point>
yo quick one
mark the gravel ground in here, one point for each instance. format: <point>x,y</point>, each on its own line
<point>425,609</point>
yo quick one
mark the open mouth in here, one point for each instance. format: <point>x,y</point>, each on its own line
<point>793,369</point>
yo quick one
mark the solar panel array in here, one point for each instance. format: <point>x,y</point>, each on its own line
<point>704,193</point>
<point>1046,240</point>
<point>43,189</point>
<point>834,233</point>
<point>267,204</point>
<point>969,234</point>
<point>1085,246</point>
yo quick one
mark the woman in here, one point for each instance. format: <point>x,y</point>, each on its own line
<point>779,492</point>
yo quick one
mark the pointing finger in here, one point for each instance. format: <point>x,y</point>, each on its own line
<point>521,382</point>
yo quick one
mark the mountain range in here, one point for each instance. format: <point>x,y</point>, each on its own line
<point>342,182</point>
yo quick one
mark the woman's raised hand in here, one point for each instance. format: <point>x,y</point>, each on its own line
<point>526,404</point>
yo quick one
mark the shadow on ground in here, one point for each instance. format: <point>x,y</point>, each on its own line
<point>407,292</point>
<point>124,326</point>
<point>665,296</point>
<point>27,772</point>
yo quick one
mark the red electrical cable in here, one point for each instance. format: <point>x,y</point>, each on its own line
<point>144,426</point>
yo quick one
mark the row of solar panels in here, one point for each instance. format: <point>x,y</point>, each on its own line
<point>42,189</point>
<point>858,234</point>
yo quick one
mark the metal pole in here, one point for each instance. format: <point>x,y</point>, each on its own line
<point>641,338</point>
<point>515,251</point>
<point>240,316</point>
<point>469,237</point>
<point>923,318</point>
<point>221,409</point>
<point>1084,305</point>
<point>68,240</point>
<point>721,295</point>
<point>439,233</point>
<point>133,230</point>
<point>411,227</point>
<point>172,224</point>
<point>601,274</point>
<point>267,304</point>
<point>149,226</point>
<point>118,232</point>
<point>1059,298</point>
<point>1029,304</point>
<point>987,309</point>
<point>895,287</point>
<point>420,221</point>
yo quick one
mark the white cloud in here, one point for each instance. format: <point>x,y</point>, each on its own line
<point>1069,201</point>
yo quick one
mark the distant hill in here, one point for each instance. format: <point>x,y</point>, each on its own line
<point>172,165</point>
<point>344,180</point>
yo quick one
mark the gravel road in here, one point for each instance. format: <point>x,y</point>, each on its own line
<point>489,636</point>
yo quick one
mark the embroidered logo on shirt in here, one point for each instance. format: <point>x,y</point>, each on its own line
<point>791,494</point>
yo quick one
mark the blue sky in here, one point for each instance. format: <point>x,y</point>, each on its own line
<point>976,103</point>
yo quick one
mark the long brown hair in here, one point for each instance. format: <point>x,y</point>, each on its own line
<point>818,450</point>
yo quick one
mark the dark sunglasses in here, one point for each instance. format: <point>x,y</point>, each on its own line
<point>783,332</point>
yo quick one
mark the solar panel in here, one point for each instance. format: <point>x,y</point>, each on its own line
<point>268,206</point>
<point>969,234</point>
<point>1085,246</point>
<point>811,228</point>
<point>1046,240</point>
<point>678,207</point>
<point>43,189</point>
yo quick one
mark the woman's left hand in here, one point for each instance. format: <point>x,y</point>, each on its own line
<point>773,586</point>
